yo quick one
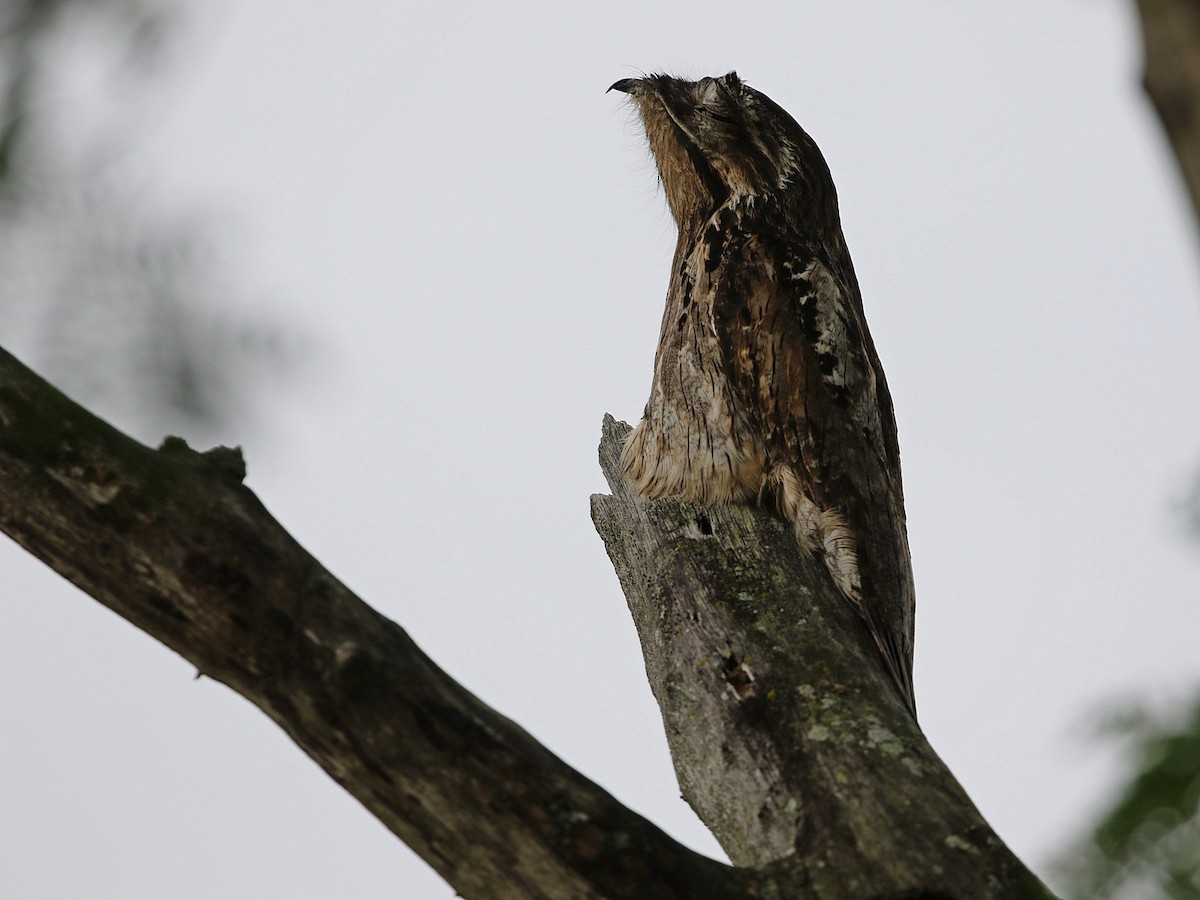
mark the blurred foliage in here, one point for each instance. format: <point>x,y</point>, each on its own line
<point>116,301</point>
<point>1147,845</point>
<point>25,29</point>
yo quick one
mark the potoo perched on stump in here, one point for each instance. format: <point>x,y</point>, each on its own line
<point>767,386</point>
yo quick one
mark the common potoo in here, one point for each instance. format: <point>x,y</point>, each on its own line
<point>767,387</point>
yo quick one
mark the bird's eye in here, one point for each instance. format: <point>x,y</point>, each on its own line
<point>717,117</point>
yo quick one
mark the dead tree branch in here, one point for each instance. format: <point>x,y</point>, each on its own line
<point>788,737</point>
<point>171,540</point>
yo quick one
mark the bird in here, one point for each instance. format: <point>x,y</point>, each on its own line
<point>767,386</point>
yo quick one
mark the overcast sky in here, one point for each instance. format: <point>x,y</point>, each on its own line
<point>445,198</point>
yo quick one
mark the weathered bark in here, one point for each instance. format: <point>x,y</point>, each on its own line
<point>1171,78</point>
<point>788,737</point>
<point>172,541</point>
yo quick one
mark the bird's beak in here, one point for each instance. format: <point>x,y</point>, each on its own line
<point>627,85</point>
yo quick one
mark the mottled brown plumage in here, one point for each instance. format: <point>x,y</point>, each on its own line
<point>767,386</point>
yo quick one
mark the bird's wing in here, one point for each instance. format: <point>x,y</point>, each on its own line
<point>802,367</point>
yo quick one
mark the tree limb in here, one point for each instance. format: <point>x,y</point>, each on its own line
<point>172,541</point>
<point>788,737</point>
<point>1171,78</point>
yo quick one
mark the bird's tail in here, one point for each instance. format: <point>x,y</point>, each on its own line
<point>825,533</point>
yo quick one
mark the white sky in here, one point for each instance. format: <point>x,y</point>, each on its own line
<point>446,198</point>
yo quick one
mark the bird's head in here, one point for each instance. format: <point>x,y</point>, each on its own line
<point>718,140</point>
